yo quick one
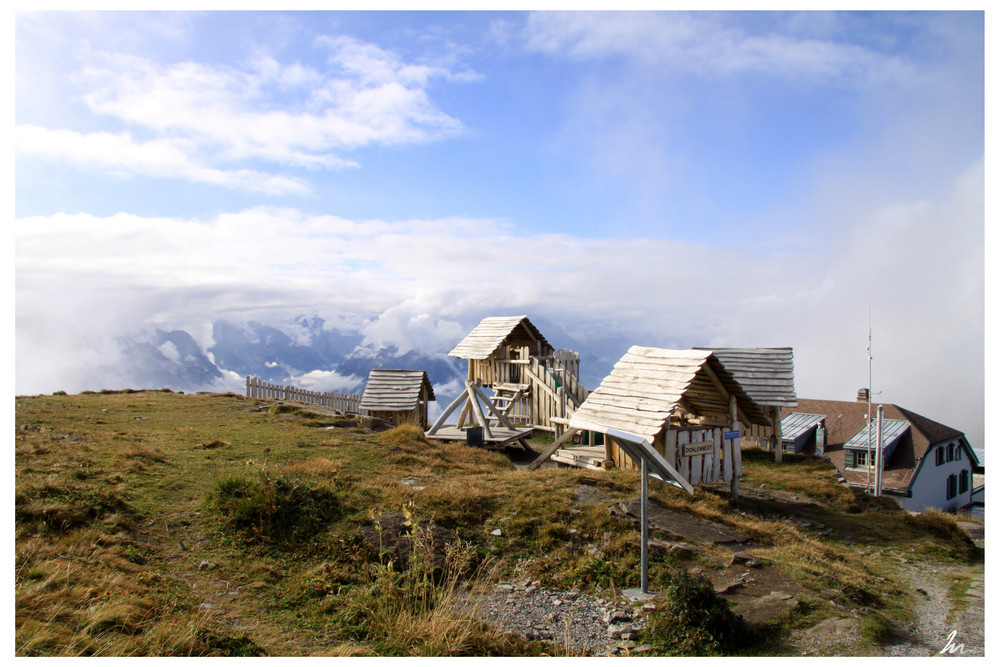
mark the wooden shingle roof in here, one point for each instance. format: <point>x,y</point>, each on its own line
<point>767,374</point>
<point>393,390</point>
<point>487,336</point>
<point>649,384</point>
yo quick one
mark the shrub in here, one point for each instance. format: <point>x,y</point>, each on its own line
<point>696,622</point>
<point>875,628</point>
<point>274,509</point>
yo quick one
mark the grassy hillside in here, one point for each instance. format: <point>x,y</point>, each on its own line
<point>154,523</point>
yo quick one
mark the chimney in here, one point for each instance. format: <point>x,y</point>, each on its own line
<point>862,395</point>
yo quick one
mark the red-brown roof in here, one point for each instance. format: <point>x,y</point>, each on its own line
<point>845,418</point>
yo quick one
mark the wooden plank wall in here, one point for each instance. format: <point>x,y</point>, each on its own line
<point>257,388</point>
<point>701,469</point>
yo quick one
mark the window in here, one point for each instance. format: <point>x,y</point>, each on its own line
<point>958,452</point>
<point>950,487</point>
<point>860,458</point>
<point>951,451</point>
<point>939,456</point>
<point>963,481</point>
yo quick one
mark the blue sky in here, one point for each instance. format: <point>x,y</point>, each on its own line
<point>712,178</point>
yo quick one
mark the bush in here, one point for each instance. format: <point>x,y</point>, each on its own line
<point>875,628</point>
<point>696,622</point>
<point>275,509</point>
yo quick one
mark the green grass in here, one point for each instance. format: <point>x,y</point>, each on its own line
<point>122,497</point>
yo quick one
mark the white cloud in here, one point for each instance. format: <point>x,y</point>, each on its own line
<point>227,125</point>
<point>707,43</point>
<point>291,114</point>
<point>121,155</point>
<point>326,381</point>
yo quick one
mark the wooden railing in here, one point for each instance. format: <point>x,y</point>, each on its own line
<point>257,388</point>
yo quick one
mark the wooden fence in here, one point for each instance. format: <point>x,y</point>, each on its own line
<point>555,392</point>
<point>257,388</point>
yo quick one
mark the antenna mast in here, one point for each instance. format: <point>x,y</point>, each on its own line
<point>869,393</point>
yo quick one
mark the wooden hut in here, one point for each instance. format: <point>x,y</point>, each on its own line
<point>533,384</point>
<point>683,402</point>
<point>398,396</point>
<point>767,375</point>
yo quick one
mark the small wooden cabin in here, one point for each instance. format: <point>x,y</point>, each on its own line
<point>398,396</point>
<point>532,383</point>
<point>682,401</point>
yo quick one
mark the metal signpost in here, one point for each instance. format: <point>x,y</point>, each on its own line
<point>642,452</point>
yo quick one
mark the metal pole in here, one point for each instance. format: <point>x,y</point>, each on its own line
<point>644,512</point>
<point>868,483</point>
<point>878,453</point>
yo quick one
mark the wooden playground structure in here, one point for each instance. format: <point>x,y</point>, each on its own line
<point>534,386</point>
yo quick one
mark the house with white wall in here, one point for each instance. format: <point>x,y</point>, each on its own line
<point>926,464</point>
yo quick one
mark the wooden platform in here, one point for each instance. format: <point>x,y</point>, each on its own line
<point>581,457</point>
<point>501,436</point>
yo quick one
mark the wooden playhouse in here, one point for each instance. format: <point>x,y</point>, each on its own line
<point>398,396</point>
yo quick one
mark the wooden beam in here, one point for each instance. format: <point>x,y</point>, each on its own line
<point>447,412</point>
<point>489,404</point>
<point>710,374</point>
<point>478,410</point>
<point>559,442</point>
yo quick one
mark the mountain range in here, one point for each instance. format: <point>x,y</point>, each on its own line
<point>307,352</point>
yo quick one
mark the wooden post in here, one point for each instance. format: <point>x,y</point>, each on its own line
<point>776,423</point>
<point>734,486</point>
<point>478,410</point>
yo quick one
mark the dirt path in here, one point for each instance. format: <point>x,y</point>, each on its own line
<point>931,633</point>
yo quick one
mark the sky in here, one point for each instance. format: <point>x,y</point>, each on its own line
<point>672,179</point>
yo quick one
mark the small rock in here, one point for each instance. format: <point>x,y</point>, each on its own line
<point>505,588</point>
<point>181,546</point>
<point>648,607</point>
<point>496,533</point>
<point>723,589</point>
<point>740,557</point>
<point>615,630</point>
<point>205,606</point>
<point>645,648</point>
<point>207,565</point>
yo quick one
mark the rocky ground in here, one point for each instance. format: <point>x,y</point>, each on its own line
<point>583,624</point>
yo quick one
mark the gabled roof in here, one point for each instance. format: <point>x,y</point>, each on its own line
<point>845,419</point>
<point>487,336</point>
<point>767,374</point>
<point>393,390</point>
<point>649,384</point>
<point>796,424</point>
<point>892,430</point>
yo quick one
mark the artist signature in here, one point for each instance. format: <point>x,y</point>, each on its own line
<point>951,647</point>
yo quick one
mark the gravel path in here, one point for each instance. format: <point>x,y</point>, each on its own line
<point>580,624</point>
<point>932,633</point>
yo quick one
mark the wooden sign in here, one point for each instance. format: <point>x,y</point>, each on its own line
<point>698,448</point>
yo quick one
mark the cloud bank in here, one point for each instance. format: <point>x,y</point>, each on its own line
<point>420,284</point>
